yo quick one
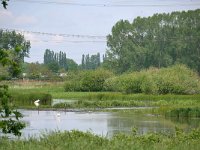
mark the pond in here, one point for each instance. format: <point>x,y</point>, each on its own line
<point>101,123</point>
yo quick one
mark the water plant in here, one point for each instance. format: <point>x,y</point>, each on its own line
<point>74,139</point>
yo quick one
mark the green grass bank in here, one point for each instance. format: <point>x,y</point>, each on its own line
<point>73,140</point>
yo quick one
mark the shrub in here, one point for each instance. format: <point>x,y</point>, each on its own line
<point>112,84</point>
<point>91,80</point>
<point>94,80</point>
<point>131,83</point>
<point>177,79</point>
<point>148,85</point>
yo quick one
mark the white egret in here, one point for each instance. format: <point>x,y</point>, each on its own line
<point>37,103</point>
<point>58,114</point>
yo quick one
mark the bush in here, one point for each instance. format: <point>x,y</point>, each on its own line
<point>131,83</point>
<point>112,84</point>
<point>88,81</point>
<point>177,79</point>
<point>94,80</point>
<point>148,85</point>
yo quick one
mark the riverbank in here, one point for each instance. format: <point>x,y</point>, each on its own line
<point>96,100</point>
<point>86,140</point>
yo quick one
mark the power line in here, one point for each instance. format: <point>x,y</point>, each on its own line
<point>93,37</point>
<point>107,5</point>
<point>67,41</point>
<point>57,34</point>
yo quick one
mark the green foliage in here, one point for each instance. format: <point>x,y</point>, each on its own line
<point>71,86</point>
<point>112,84</point>
<point>94,80</point>
<point>158,41</point>
<point>90,62</point>
<point>13,49</point>
<point>88,81</point>
<point>12,126</point>
<point>72,65</point>
<point>177,79</point>
<point>53,66</point>
<point>58,61</point>
<point>9,125</point>
<point>86,140</point>
<point>28,98</point>
<point>106,99</point>
<point>132,83</point>
<point>4,3</point>
<point>55,61</point>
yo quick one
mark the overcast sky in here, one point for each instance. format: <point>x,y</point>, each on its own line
<point>78,17</point>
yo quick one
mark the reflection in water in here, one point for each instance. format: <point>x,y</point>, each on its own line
<point>102,123</point>
<point>191,122</point>
<point>144,124</point>
<point>58,101</point>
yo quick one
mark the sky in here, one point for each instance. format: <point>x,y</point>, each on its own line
<point>78,26</point>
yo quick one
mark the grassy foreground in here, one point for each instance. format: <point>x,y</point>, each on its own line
<point>73,140</point>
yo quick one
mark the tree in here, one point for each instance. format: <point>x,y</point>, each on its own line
<point>91,62</point>
<point>72,65</point>
<point>18,47</point>
<point>83,62</point>
<point>59,59</point>
<point>158,41</point>
<point>4,3</point>
<point>53,66</point>
<point>33,70</point>
<point>8,124</point>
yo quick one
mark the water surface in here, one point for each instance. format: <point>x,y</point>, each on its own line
<point>101,123</point>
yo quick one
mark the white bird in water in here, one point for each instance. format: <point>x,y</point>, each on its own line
<point>57,117</point>
<point>58,114</point>
<point>37,102</point>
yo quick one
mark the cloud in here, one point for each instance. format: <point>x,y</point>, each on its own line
<point>31,37</point>
<point>5,13</point>
<point>34,39</point>
<point>8,18</point>
<point>57,39</point>
<point>5,16</point>
<point>25,20</point>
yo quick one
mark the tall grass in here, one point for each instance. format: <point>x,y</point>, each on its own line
<point>27,99</point>
<point>184,112</point>
<point>103,100</point>
<point>73,140</point>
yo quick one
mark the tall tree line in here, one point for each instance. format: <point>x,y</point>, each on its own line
<point>158,41</point>
<point>53,59</point>
<point>90,62</point>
